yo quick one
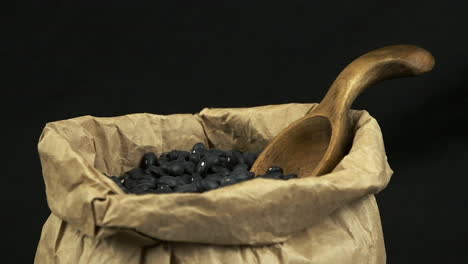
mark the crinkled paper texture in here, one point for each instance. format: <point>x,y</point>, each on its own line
<point>329,219</point>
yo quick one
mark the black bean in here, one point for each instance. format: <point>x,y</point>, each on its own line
<point>194,157</point>
<point>199,148</point>
<point>176,168</point>
<point>163,188</point>
<point>198,185</point>
<point>200,170</point>
<point>240,156</point>
<point>186,178</point>
<point>120,182</point>
<point>211,159</point>
<point>273,175</point>
<point>155,171</point>
<point>142,188</point>
<point>163,156</point>
<point>136,173</point>
<point>206,162</point>
<point>187,188</point>
<point>216,177</point>
<point>183,155</point>
<point>242,175</point>
<point>180,180</point>
<point>150,180</point>
<point>189,167</point>
<point>249,158</point>
<point>274,169</point>
<point>149,159</point>
<point>289,176</point>
<point>130,183</point>
<point>172,155</point>
<point>168,180</point>
<point>220,169</point>
<point>165,168</point>
<point>195,178</point>
<point>221,157</point>
<point>233,158</point>
<point>241,166</point>
<point>227,181</point>
<point>208,184</point>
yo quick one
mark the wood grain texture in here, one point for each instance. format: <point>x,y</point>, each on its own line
<point>314,144</point>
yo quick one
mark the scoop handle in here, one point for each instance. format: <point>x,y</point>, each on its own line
<point>375,66</point>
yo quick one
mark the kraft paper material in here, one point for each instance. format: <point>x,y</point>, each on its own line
<point>329,219</point>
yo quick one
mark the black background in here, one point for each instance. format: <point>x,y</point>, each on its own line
<point>70,58</point>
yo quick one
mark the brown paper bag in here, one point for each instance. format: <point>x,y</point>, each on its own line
<point>328,219</point>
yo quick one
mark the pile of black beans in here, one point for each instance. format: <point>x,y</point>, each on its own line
<point>199,170</point>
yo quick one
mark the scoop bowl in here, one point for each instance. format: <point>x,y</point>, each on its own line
<point>316,143</point>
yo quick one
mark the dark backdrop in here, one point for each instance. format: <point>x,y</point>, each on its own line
<point>71,58</point>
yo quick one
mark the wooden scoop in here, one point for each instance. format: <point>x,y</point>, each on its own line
<point>314,144</point>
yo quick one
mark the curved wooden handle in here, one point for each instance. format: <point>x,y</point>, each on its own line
<point>378,65</point>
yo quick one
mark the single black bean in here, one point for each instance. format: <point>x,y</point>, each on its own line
<point>172,155</point>
<point>136,173</point>
<point>211,159</point>
<point>180,180</point>
<point>242,175</point>
<point>198,185</point>
<point>195,178</point>
<point>155,171</point>
<point>227,181</point>
<point>149,159</point>
<point>220,169</point>
<point>176,168</point>
<point>150,180</point>
<point>208,184</point>
<point>221,157</point>
<point>183,155</point>
<point>165,168</point>
<point>216,177</point>
<point>140,185</point>
<point>194,157</point>
<point>142,188</point>
<point>199,148</point>
<point>163,188</point>
<point>241,166</point>
<point>289,176</point>
<point>189,167</point>
<point>273,175</point>
<point>168,180</point>
<point>274,169</point>
<point>130,183</point>
<point>202,167</point>
<point>186,178</point>
<point>162,163</point>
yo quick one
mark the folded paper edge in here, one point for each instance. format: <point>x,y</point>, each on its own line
<point>102,231</point>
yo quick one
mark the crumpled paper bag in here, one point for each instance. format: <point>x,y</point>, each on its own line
<point>329,219</point>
